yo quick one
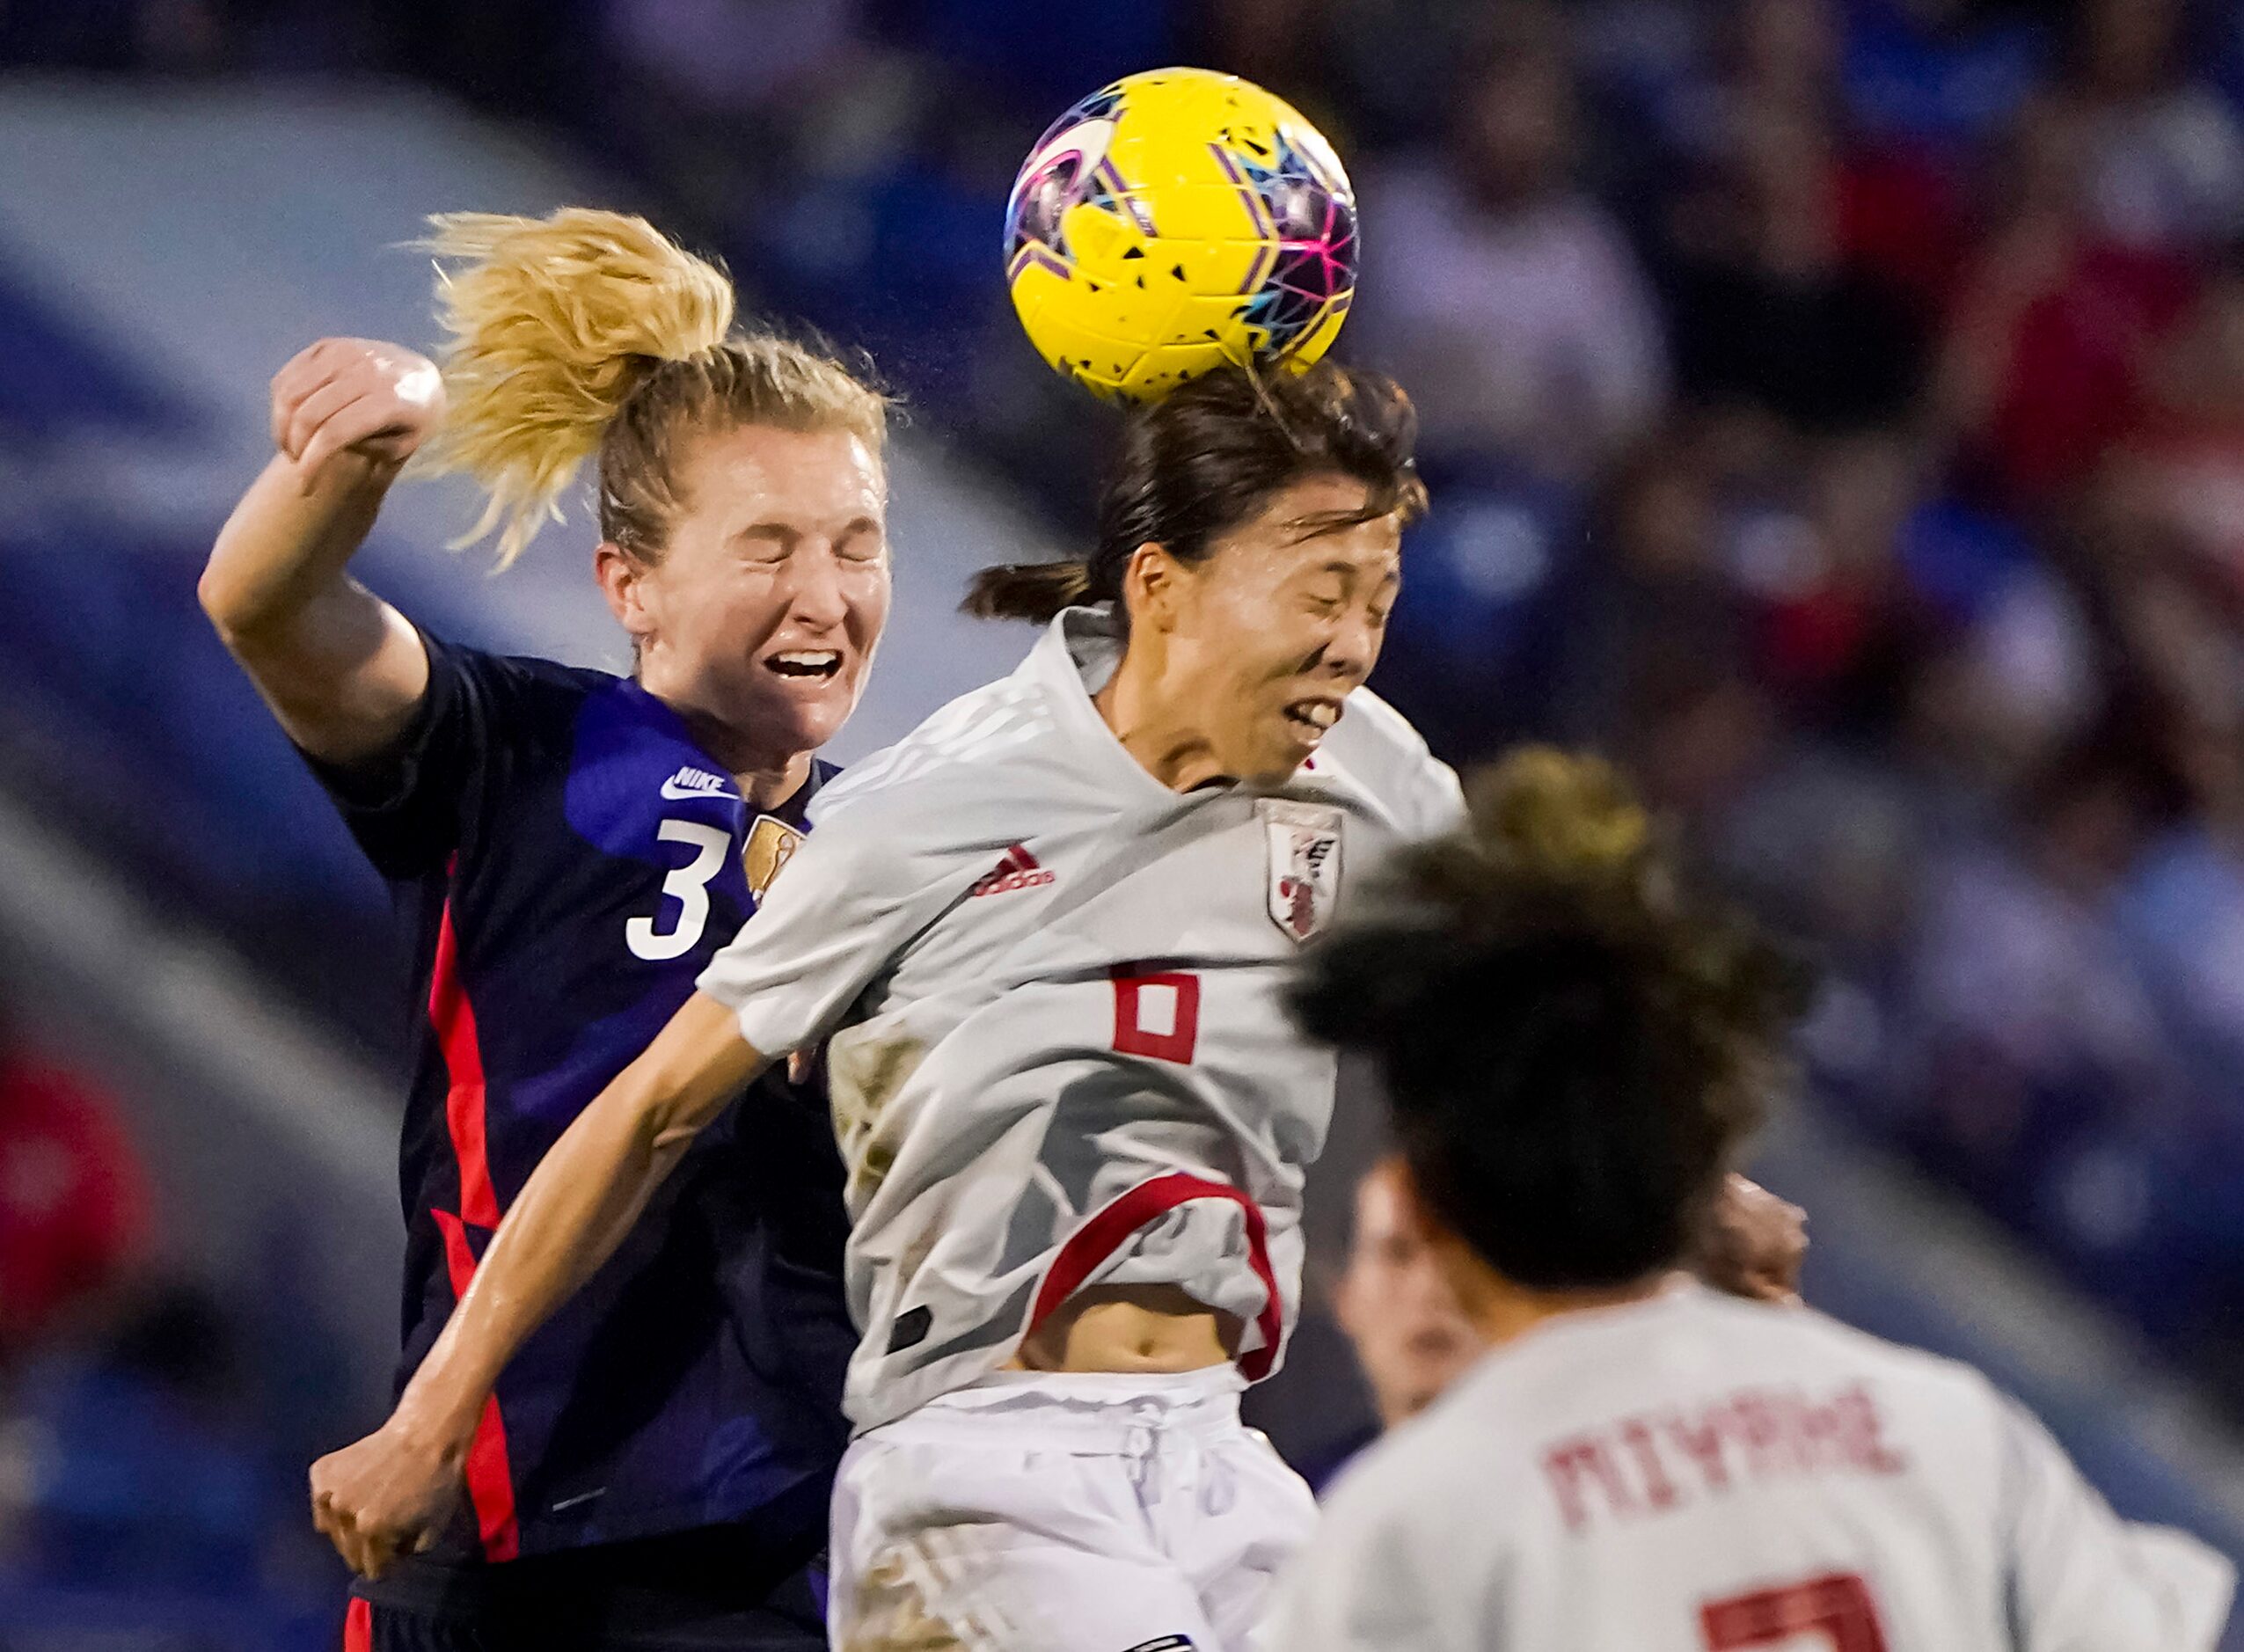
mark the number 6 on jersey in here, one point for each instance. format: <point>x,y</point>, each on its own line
<point>1157,1012</point>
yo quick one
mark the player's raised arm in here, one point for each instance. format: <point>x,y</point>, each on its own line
<point>342,668</point>
<point>389,1493</point>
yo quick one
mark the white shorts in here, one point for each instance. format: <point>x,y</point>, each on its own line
<point>1063,1512</point>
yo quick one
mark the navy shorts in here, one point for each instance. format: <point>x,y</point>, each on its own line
<point>709,1590</point>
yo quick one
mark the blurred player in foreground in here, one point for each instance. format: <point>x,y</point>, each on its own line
<point>1047,932</point>
<point>571,848</point>
<point>1574,1051</point>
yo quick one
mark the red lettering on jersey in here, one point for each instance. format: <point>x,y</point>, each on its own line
<point>1700,1439</point>
<point>1623,1469</point>
<point>1761,1430</point>
<point>1862,1431</point>
<point>1659,1490</point>
<point>1568,1464</point>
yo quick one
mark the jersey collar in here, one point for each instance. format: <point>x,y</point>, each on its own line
<point>1073,661</point>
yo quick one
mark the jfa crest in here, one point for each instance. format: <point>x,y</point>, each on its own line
<point>770,844</point>
<point>1305,875</point>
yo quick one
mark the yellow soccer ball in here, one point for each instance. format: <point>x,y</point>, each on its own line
<point>1175,221</point>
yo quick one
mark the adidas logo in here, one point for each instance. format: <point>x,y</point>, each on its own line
<point>1018,870</point>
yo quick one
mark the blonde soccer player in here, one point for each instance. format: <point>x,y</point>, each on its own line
<point>1574,1051</point>
<point>1046,934</point>
<point>570,847</point>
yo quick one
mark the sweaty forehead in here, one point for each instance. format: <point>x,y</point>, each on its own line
<point>761,471</point>
<point>1305,527</point>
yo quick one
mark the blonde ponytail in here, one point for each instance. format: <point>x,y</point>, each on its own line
<point>553,323</point>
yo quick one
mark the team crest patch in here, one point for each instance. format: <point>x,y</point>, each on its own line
<point>1304,874</point>
<point>770,845</point>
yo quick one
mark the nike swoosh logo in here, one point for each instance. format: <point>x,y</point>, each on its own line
<point>672,790</point>
<point>571,1502</point>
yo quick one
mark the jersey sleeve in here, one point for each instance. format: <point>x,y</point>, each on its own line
<point>847,902</point>
<point>1419,790</point>
<point>409,805</point>
<point>2081,1579</point>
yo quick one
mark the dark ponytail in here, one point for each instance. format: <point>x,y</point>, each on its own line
<point>1210,457</point>
<point>1574,1049</point>
<point>1028,591</point>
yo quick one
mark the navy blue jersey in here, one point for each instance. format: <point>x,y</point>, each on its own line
<point>571,858</point>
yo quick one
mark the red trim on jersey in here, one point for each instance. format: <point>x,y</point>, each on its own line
<point>358,1627</point>
<point>490,1481</point>
<point>464,1102</point>
<point>1106,1230</point>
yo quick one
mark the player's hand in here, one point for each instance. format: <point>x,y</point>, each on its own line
<point>385,1496</point>
<point>359,396</point>
<point>1754,1243</point>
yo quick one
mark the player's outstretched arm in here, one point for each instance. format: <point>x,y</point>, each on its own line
<point>391,1491</point>
<point>342,668</point>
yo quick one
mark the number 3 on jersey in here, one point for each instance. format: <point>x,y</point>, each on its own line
<point>1157,1012</point>
<point>1835,1611</point>
<point>689,885</point>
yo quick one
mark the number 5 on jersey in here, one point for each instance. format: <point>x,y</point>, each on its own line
<point>689,885</point>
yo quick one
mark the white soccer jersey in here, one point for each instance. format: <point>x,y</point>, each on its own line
<point>1061,1057</point>
<point>1696,1473</point>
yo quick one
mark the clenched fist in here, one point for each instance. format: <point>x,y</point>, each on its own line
<point>1753,1243</point>
<point>358,395</point>
<point>387,1495</point>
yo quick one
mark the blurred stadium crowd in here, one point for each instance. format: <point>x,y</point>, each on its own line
<point>1834,408</point>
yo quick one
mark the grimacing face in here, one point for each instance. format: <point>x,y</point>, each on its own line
<point>1412,1335</point>
<point>1280,623</point>
<point>763,610</point>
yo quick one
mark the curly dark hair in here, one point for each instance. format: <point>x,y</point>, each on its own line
<point>1575,1046</point>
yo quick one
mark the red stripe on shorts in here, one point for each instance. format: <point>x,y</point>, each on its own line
<point>464,1101</point>
<point>1106,1229</point>
<point>358,1627</point>
<point>490,1483</point>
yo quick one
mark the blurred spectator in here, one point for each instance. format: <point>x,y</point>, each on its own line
<point>2182,916</point>
<point>1896,208</point>
<point>1507,300</point>
<point>1945,72</point>
<point>1839,622</point>
<point>74,1201</point>
<point>134,1466</point>
<point>1770,314</point>
<point>2183,471</point>
<point>2030,1014</point>
<point>2165,161</point>
<point>1492,574</point>
<point>2058,324</point>
<point>1657,615</point>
